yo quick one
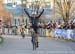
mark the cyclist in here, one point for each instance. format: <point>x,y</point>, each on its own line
<point>23,32</point>
<point>34,19</point>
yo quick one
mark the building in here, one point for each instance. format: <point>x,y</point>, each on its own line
<point>16,8</point>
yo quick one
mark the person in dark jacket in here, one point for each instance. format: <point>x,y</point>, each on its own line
<point>34,19</point>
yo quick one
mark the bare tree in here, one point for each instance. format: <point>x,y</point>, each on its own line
<point>65,8</point>
<point>5,14</point>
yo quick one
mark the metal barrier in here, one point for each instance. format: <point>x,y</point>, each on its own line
<point>14,31</point>
<point>69,33</point>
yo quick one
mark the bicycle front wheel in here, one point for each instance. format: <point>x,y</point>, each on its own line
<point>34,46</point>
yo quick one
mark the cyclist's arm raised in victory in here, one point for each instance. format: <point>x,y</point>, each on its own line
<point>27,13</point>
<point>40,14</point>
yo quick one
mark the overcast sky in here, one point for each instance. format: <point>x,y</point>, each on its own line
<point>19,1</point>
<point>10,1</point>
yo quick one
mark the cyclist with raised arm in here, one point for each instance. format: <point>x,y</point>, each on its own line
<point>34,19</point>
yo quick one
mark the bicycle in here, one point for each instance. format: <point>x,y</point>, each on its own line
<point>34,40</point>
<point>23,32</point>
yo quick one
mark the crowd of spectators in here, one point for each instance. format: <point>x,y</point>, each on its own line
<point>58,25</point>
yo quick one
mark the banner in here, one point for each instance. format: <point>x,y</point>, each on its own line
<point>69,33</point>
<point>73,35</point>
<point>61,32</point>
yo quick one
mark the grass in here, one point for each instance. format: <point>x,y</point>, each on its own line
<point>63,38</point>
<point>1,40</point>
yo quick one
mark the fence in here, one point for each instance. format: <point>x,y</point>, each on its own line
<point>69,33</point>
<point>16,31</point>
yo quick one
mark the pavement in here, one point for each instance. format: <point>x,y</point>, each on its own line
<point>14,44</point>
